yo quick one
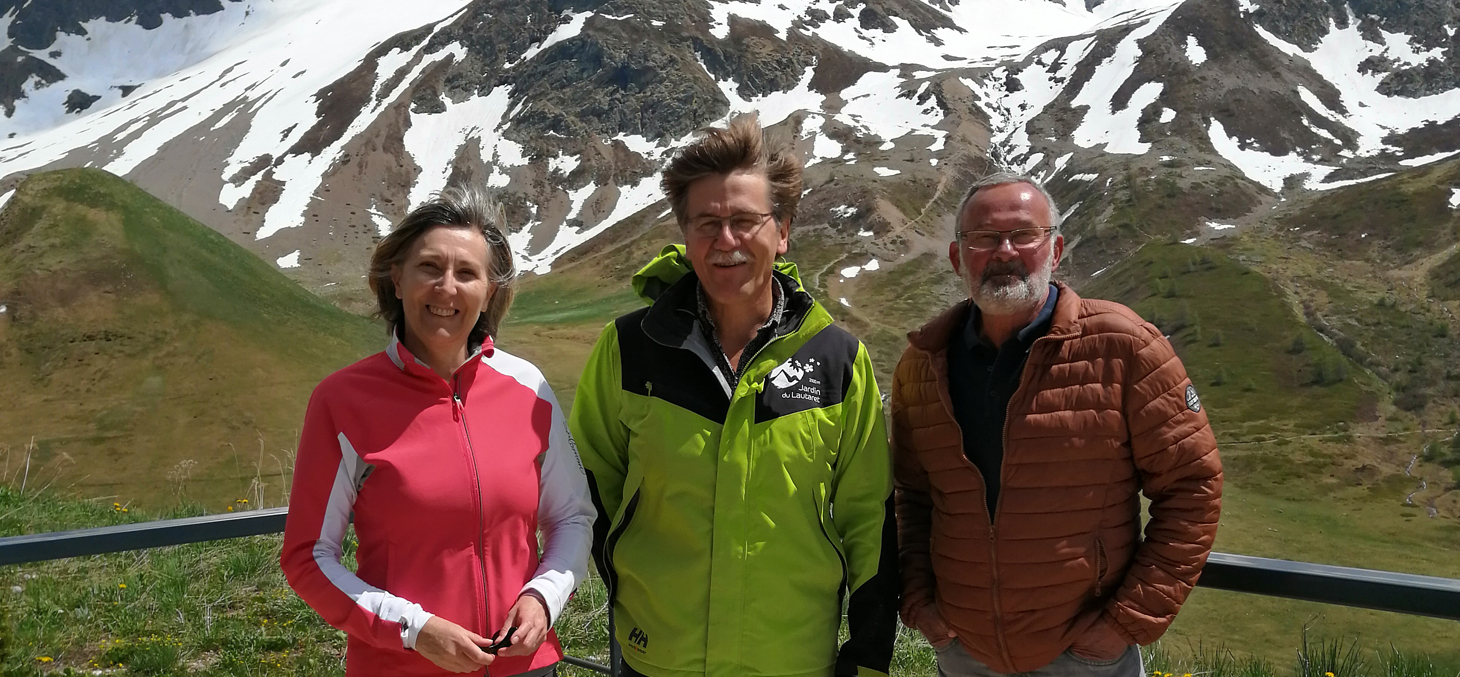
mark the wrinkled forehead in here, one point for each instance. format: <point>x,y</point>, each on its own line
<point>725,194</point>
<point>1010,205</point>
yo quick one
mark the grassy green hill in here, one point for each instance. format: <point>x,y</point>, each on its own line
<point>145,354</point>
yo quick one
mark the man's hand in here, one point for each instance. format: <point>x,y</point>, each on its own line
<point>452,647</point>
<point>529,616</point>
<point>930,622</point>
<point>1100,643</point>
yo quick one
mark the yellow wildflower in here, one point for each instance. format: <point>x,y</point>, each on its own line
<point>44,659</point>
<point>122,586</point>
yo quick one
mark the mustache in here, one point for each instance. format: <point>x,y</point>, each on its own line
<point>729,258</point>
<point>1015,267</point>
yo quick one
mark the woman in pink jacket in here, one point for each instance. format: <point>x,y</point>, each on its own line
<point>450,455</point>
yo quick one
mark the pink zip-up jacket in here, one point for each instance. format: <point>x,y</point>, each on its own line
<point>449,483</point>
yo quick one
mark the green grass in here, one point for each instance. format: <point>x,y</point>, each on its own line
<point>1445,278</point>
<point>224,608</point>
<point>1236,333</point>
<point>1405,216</point>
<point>139,342</point>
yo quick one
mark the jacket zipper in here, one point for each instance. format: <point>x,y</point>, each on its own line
<point>998,504</point>
<point>1101,564</point>
<point>459,411</point>
<point>840,558</point>
<point>610,543</point>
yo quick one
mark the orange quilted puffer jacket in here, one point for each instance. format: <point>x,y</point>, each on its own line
<point>1104,410</point>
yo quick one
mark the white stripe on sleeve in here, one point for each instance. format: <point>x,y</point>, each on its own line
<point>328,551</point>
<point>565,511</point>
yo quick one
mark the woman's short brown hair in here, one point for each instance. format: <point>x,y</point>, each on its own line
<point>457,207</point>
<point>740,146</point>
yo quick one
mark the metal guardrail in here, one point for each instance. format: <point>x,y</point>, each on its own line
<point>161,533</point>
<point>1346,586</point>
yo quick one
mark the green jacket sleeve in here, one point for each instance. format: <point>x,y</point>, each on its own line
<point>863,513</point>
<point>602,439</point>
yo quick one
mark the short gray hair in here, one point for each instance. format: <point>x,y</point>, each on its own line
<point>1004,179</point>
<point>460,206</point>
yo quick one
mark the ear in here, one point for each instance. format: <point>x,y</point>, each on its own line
<point>783,232</point>
<point>954,258</point>
<point>1059,252</point>
<point>395,275</point>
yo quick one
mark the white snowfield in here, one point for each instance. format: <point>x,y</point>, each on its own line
<point>250,74</point>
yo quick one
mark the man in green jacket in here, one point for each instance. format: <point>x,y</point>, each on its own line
<point>735,444</point>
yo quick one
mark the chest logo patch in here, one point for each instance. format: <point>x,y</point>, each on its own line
<point>798,380</point>
<point>1192,401</point>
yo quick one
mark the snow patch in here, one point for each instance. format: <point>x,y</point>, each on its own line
<point>883,171</point>
<point>1455,198</point>
<point>1350,182</point>
<point>1194,53</point>
<point>842,299</point>
<point>776,106</point>
<point>1220,226</point>
<point>1102,123</point>
<point>851,271</point>
<point>1189,241</point>
<point>566,31</point>
<point>1426,159</point>
<point>1167,115</point>
<point>871,110</point>
<point>1372,115</point>
<point>874,264</point>
<point>1084,177</point>
<point>290,260</point>
<point>844,211</point>
<point>434,140</point>
<point>1268,170</point>
<point>5,199</point>
<point>565,164</point>
<point>868,233</point>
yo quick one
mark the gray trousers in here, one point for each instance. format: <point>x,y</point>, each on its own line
<point>953,661</point>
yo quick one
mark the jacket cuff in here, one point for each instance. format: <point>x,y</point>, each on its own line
<point>1109,618</point>
<point>411,624</point>
<point>913,605</point>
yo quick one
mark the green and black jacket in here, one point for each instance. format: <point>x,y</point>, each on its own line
<point>734,522</point>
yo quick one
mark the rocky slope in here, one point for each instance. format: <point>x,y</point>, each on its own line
<point>303,130</point>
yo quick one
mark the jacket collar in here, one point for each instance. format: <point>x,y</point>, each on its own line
<point>933,336</point>
<point>671,320</point>
<point>402,358</point>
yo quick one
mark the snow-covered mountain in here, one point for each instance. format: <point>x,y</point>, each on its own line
<point>303,128</point>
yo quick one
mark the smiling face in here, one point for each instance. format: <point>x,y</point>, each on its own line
<point>443,286</point>
<point>735,268</point>
<point>1006,280</point>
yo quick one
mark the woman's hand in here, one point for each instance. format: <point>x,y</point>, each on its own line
<point>529,616</point>
<point>452,647</point>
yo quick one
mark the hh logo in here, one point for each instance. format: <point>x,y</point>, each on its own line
<point>639,638</point>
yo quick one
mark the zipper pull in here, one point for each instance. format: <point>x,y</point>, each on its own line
<point>456,407</point>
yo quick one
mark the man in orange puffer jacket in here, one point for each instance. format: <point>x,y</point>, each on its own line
<point>1025,422</point>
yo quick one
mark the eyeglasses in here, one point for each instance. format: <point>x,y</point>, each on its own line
<point>989,240</point>
<point>741,225</point>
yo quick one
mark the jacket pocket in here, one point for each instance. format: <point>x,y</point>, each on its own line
<point>611,543</point>
<point>1102,565</point>
<point>840,558</point>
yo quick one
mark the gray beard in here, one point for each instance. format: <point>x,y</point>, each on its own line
<point>1022,296</point>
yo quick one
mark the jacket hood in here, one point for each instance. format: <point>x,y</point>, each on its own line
<point>672,263</point>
